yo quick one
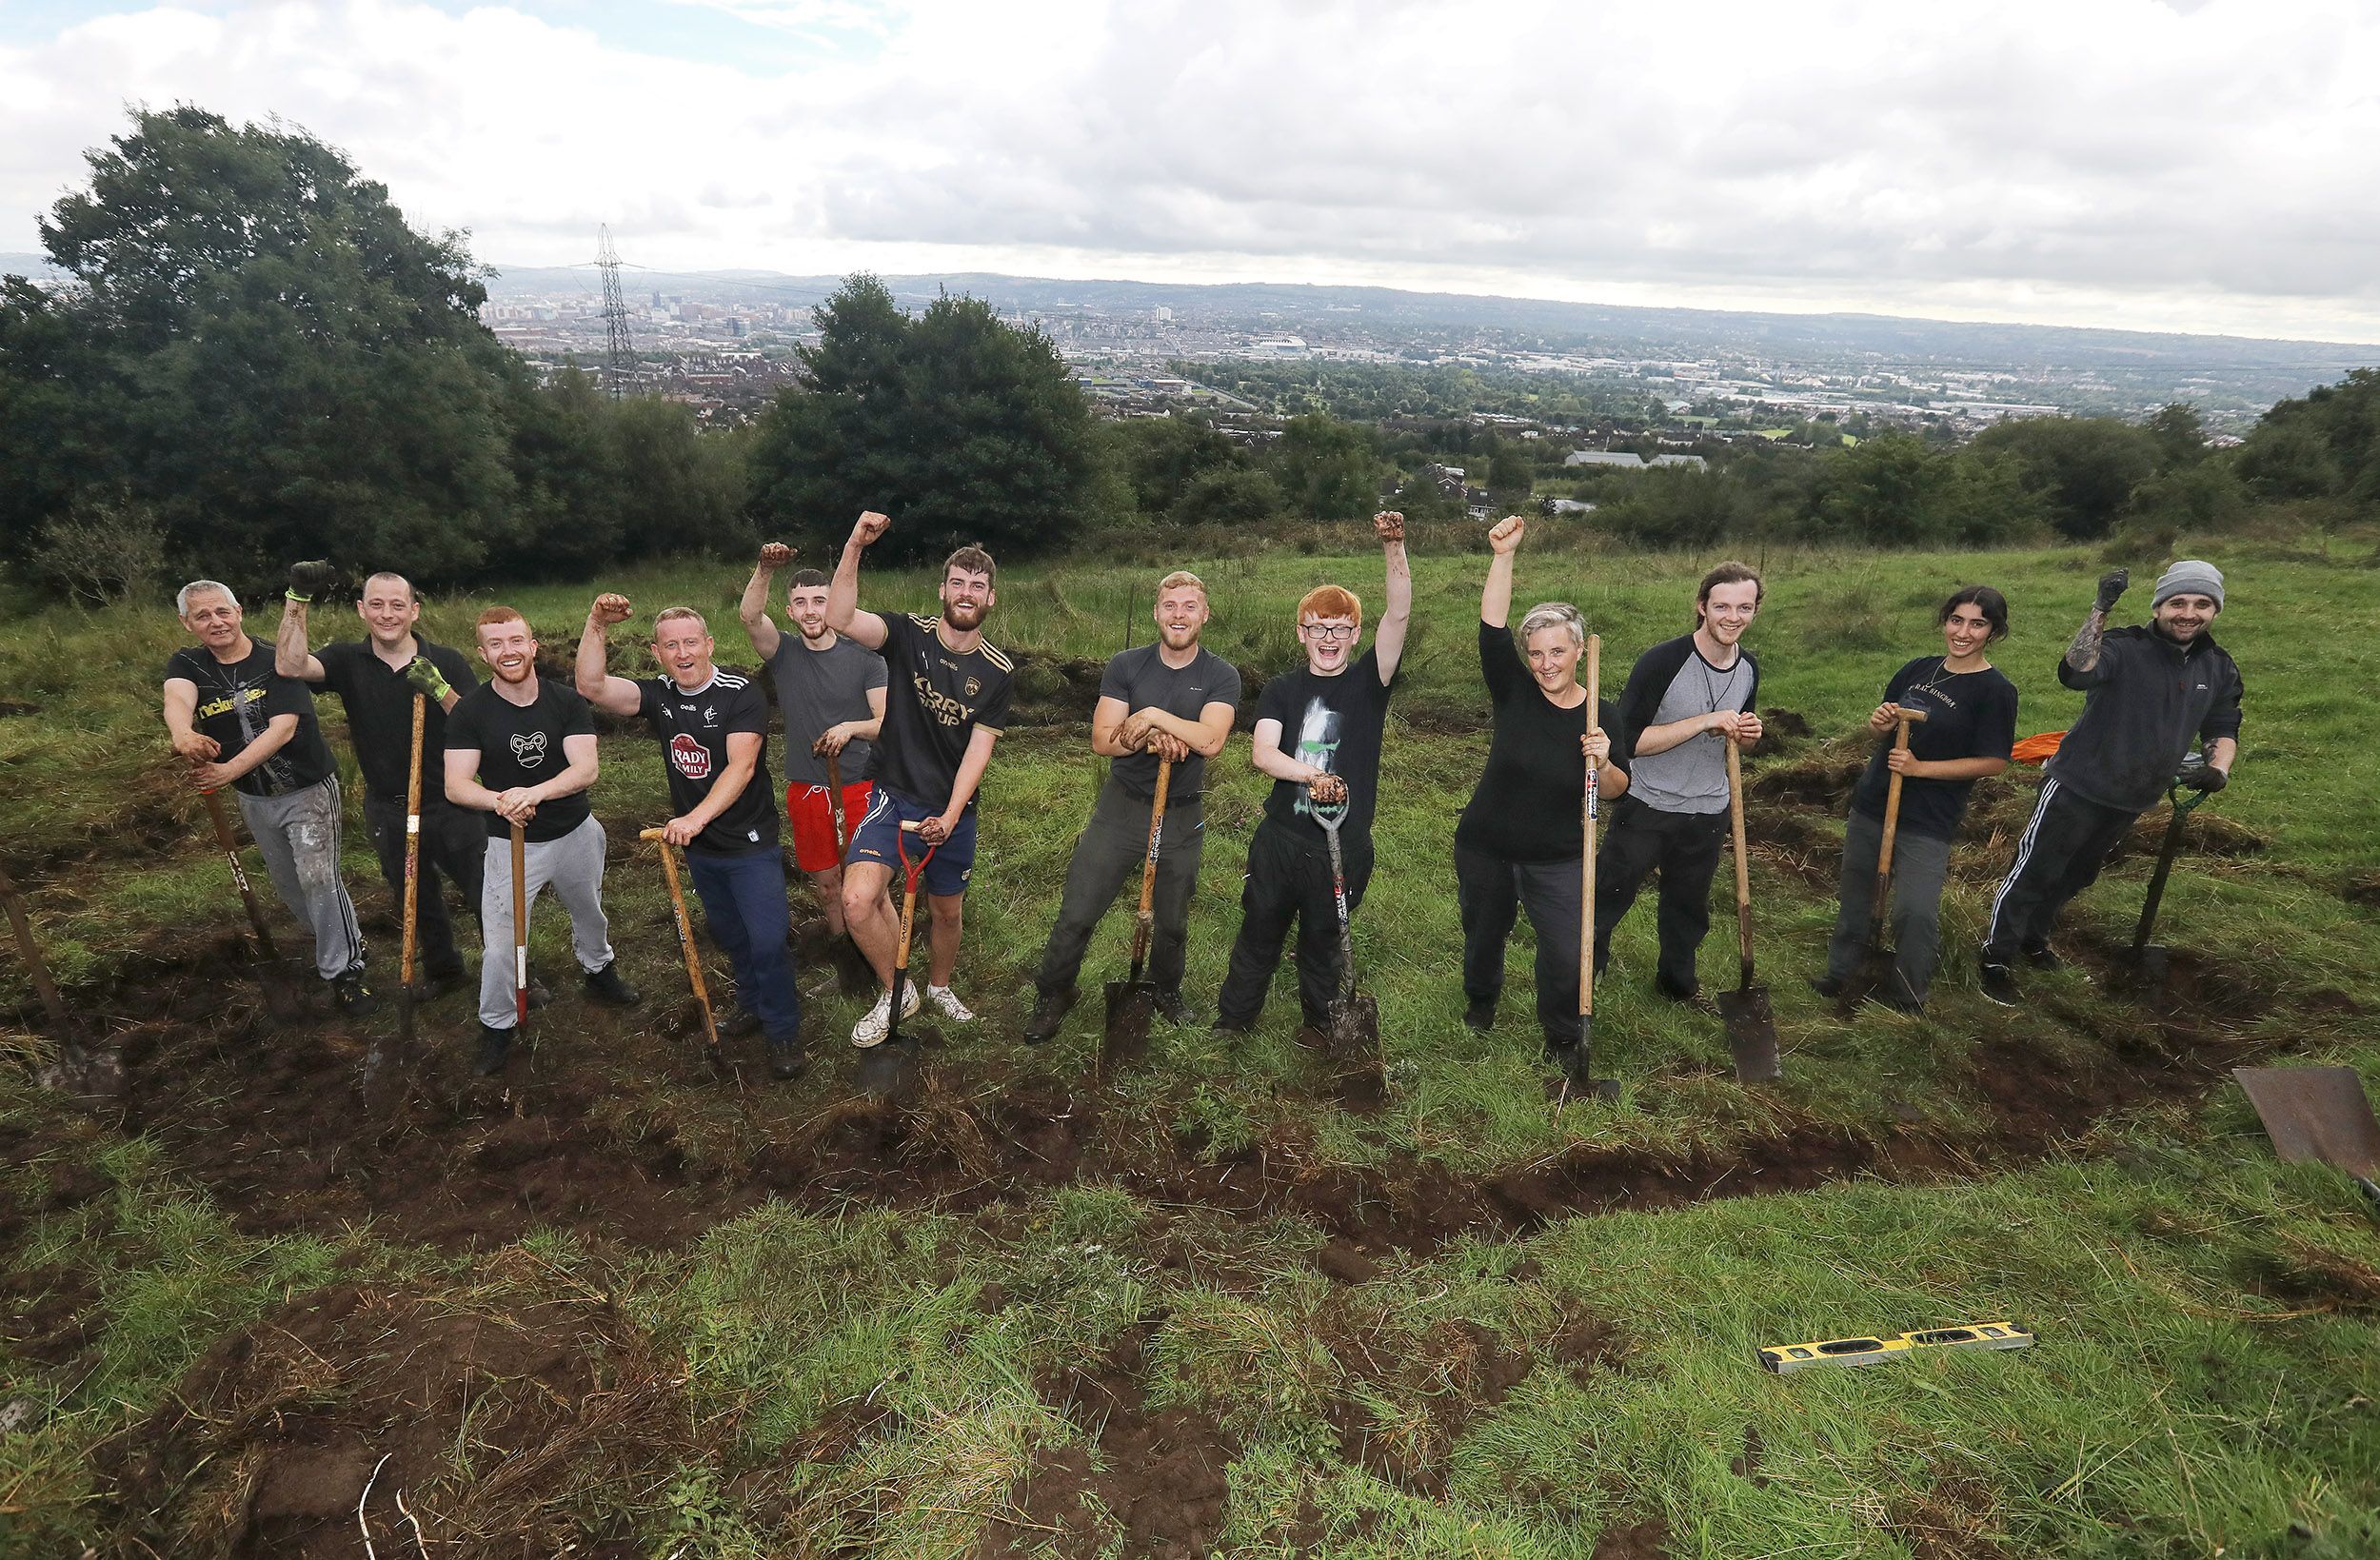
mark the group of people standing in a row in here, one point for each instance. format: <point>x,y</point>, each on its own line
<point>890,720</point>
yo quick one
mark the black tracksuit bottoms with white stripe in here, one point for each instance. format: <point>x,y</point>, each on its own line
<point>2058,857</point>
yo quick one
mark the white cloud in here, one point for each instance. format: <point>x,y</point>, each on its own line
<point>2121,162</point>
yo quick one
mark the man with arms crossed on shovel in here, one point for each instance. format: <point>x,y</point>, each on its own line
<point>1168,702</point>
<point>376,679</point>
<point>521,750</point>
<point>1686,698</point>
<point>832,692</point>
<point>2147,693</point>
<point>239,723</point>
<point>946,699</point>
<point>713,727</point>
<point>1318,734</point>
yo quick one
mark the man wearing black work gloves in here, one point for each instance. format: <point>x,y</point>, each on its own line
<point>376,678</point>
<point>2149,692</point>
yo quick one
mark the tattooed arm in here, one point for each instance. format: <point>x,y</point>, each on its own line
<point>2082,653</point>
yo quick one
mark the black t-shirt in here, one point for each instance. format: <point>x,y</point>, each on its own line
<point>1969,715</point>
<point>238,699</point>
<point>1529,802</point>
<point>934,699</point>
<point>379,703</point>
<point>1140,677</point>
<point>1332,724</point>
<point>693,728</point>
<point>521,745</point>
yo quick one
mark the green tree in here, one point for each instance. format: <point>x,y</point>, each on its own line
<point>2082,470</point>
<point>2325,444</point>
<point>1227,494</point>
<point>1328,470</point>
<point>2180,434</point>
<point>260,353</point>
<point>1164,457</point>
<point>960,427</point>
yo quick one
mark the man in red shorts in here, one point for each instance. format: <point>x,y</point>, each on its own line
<point>831,689</point>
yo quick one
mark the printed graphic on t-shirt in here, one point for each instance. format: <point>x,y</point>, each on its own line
<point>528,748</point>
<point>691,758</point>
<point>945,710</point>
<point>1318,743</point>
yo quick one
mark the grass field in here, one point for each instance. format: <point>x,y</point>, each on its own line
<point>1202,1306</point>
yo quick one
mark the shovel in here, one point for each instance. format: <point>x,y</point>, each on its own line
<point>1751,1027</point>
<point>1577,1060</point>
<point>1876,968</point>
<point>890,1066</point>
<point>2318,1114</point>
<point>1132,1003</point>
<point>377,1097</point>
<point>686,946</point>
<point>1355,1022</point>
<point>2147,962</point>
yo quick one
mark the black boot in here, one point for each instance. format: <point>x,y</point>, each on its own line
<point>495,1045</point>
<point>606,986</point>
<point>1170,1006</point>
<point>1479,1013</point>
<point>355,1000</point>
<point>786,1060</point>
<point>1049,1011</point>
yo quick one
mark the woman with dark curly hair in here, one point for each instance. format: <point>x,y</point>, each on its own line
<point>1969,725</point>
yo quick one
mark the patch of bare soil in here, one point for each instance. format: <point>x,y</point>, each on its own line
<point>1157,1476</point>
<point>1644,1539</point>
<point>489,1429</point>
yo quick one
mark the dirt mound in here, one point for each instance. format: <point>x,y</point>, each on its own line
<point>471,1422</point>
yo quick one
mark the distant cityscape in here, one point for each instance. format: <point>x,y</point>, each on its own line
<point>724,342</point>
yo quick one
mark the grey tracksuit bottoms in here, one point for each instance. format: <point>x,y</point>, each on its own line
<point>1920,864</point>
<point>573,865</point>
<point>298,836</point>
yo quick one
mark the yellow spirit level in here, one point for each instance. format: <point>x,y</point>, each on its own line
<point>1803,1356</point>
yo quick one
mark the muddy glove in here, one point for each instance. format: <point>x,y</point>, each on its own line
<point>2111,591</point>
<point>427,679</point>
<point>2198,775</point>
<point>310,580</point>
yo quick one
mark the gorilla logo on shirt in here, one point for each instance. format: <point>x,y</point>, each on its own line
<point>528,748</point>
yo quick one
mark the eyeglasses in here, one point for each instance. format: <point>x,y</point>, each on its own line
<point>1328,632</point>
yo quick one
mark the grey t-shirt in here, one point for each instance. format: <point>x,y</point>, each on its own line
<point>821,688</point>
<point>1140,677</point>
<point>1672,682</point>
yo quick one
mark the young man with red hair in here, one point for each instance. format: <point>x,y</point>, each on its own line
<point>1318,734</point>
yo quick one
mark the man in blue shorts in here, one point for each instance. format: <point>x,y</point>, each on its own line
<point>945,700</point>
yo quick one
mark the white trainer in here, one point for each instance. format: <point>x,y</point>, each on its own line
<point>946,999</point>
<point>871,1030</point>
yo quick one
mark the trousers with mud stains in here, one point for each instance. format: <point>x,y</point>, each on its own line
<point>297,833</point>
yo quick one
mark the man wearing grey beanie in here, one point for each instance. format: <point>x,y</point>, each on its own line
<point>2148,693</point>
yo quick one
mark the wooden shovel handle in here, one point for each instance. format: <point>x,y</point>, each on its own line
<point>1743,864</point>
<point>1586,860</point>
<point>1892,805</point>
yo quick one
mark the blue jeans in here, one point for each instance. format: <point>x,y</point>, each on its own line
<point>744,899</point>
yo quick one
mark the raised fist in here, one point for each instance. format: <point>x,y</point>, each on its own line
<point>871,527</point>
<point>2112,589</point>
<point>612,607</point>
<point>775,555</point>
<point>1389,525</point>
<point>1504,537</point>
<point>427,679</point>
<point>312,578</point>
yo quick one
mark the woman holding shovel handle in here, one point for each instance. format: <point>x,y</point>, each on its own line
<point>1947,722</point>
<point>1521,842</point>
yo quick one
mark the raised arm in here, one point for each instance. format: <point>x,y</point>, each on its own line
<point>597,686</point>
<point>2082,655</point>
<point>1388,641</point>
<point>289,655</point>
<point>753,609</point>
<point>1495,596</point>
<point>842,594</point>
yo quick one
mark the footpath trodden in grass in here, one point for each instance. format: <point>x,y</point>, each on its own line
<point>1195,1305</point>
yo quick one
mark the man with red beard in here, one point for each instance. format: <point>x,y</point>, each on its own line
<point>1171,700</point>
<point>376,678</point>
<point>832,693</point>
<point>946,699</point>
<point>713,727</point>
<point>521,750</point>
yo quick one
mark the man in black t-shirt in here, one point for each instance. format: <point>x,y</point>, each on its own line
<point>713,727</point>
<point>521,750</point>
<point>1173,699</point>
<point>1318,734</point>
<point>945,699</point>
<point>241,724</point>
<point>376,679</point>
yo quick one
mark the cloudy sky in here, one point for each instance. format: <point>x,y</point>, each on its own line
<point>2186,164</point>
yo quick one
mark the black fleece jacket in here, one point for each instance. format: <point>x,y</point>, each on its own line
<point>2145,702</point>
